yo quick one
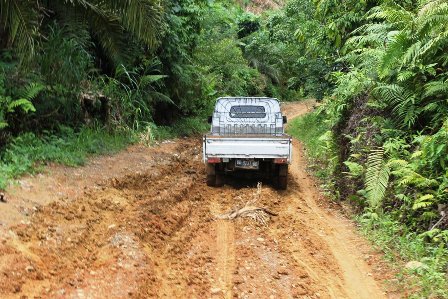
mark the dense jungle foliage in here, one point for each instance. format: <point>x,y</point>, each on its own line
<point>383,126</point>
<point>73,71</point>
<point>133,69</point>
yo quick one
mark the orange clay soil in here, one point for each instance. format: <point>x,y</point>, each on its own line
<point>143,224</point>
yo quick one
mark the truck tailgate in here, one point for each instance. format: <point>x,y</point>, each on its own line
<point>247,147</point>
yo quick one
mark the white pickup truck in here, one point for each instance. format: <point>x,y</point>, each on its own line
<point>247,137</point>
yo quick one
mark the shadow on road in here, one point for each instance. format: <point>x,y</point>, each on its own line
<point>241,180</point>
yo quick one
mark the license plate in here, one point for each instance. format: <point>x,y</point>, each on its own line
<point>247,164</point>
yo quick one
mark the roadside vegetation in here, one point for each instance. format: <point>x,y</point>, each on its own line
<point>379,137</point>
<point>84,77</point>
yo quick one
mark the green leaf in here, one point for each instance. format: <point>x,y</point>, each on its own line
<point>148,79</point>
<point>355,169</point>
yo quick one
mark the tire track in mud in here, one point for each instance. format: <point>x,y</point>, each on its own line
<point>349,275</point>
<point>225,243</point>
<point>154,234</point>
<point>309,252</point>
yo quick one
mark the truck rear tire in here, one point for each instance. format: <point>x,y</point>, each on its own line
<point>211,180</point>
<point>280,178</point>
<point>211,175</point>
<point>282,182</point>
<point>214,179</point>
<point>219,180</point>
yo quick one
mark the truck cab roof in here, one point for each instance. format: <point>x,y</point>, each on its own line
<point>247,115</point>
<point>268,105</point>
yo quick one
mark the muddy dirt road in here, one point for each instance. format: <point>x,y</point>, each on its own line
<point>152,232</point>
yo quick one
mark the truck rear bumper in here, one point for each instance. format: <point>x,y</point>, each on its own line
<point>279,149</point>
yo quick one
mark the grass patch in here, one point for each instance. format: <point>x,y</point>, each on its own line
<point>190,126</point>
<point>27,152</point>
<point>308,129</point>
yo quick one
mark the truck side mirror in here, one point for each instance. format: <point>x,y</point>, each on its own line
<point>285,119</point>
<point>209,119</point>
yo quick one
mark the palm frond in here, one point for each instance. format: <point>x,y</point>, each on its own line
<point>21,19</point>
<point>149,79</point>
<point>109,32</point>
<point>110,21</point>
<point>143,18</point>
<point>160,97</point>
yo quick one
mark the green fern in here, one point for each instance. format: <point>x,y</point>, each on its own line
<point>377,178</point>
<point>436,88</point>
<point>424,201</point>
<point>403,102</point>
<point>23,104</point>
<point>396,49</point>
<point>405,75</point>
<point>32,91</point>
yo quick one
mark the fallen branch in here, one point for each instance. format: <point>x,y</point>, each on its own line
<point>245,211</point>
<point>438,222</point>
<point>259,214</point>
